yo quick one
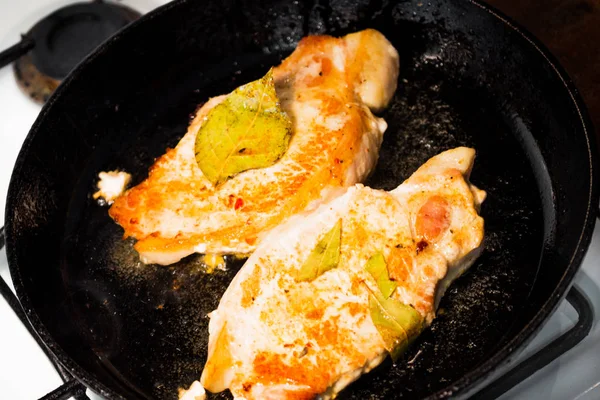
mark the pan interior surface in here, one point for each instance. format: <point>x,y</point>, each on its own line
<point>140,331</point>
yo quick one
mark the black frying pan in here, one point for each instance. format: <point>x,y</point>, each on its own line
<point>468,77</point>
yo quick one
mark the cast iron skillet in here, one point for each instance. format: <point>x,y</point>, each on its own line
<point>468,77</point>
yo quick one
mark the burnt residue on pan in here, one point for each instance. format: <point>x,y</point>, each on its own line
<point>140,331</point>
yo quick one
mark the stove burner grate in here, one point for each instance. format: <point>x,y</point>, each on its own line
<point>58,42</point>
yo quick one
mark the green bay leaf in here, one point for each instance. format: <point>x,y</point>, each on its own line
<point>377,267</point>
<point>247,130</point>
<point>325,255</point>
<point>397,323</point>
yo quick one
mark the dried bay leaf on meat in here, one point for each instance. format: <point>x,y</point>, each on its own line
<point>247,130</point>
<point>325,255</point>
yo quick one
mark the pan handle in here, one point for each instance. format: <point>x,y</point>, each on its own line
<point>546,354</point>
<point>16,51</point>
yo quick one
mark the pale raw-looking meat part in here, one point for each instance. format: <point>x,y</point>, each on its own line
<point>328,87</point>
<point>273,337</point>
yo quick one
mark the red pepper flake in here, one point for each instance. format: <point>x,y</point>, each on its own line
<point>230,200</point>
<point>422,245</point>
<point>239,203</point>
<point>337,161</point>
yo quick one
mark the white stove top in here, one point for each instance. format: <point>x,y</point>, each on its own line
<point>25,373</point>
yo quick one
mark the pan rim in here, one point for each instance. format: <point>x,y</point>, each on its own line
<point>467,384</point>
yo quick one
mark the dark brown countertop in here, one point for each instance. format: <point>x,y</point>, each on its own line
<point>571,30</point>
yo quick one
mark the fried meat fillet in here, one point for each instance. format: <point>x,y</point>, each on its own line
<point>328,87</point>
<point>274,337</point>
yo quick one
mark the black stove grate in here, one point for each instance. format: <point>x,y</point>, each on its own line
<point>520,372</point>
